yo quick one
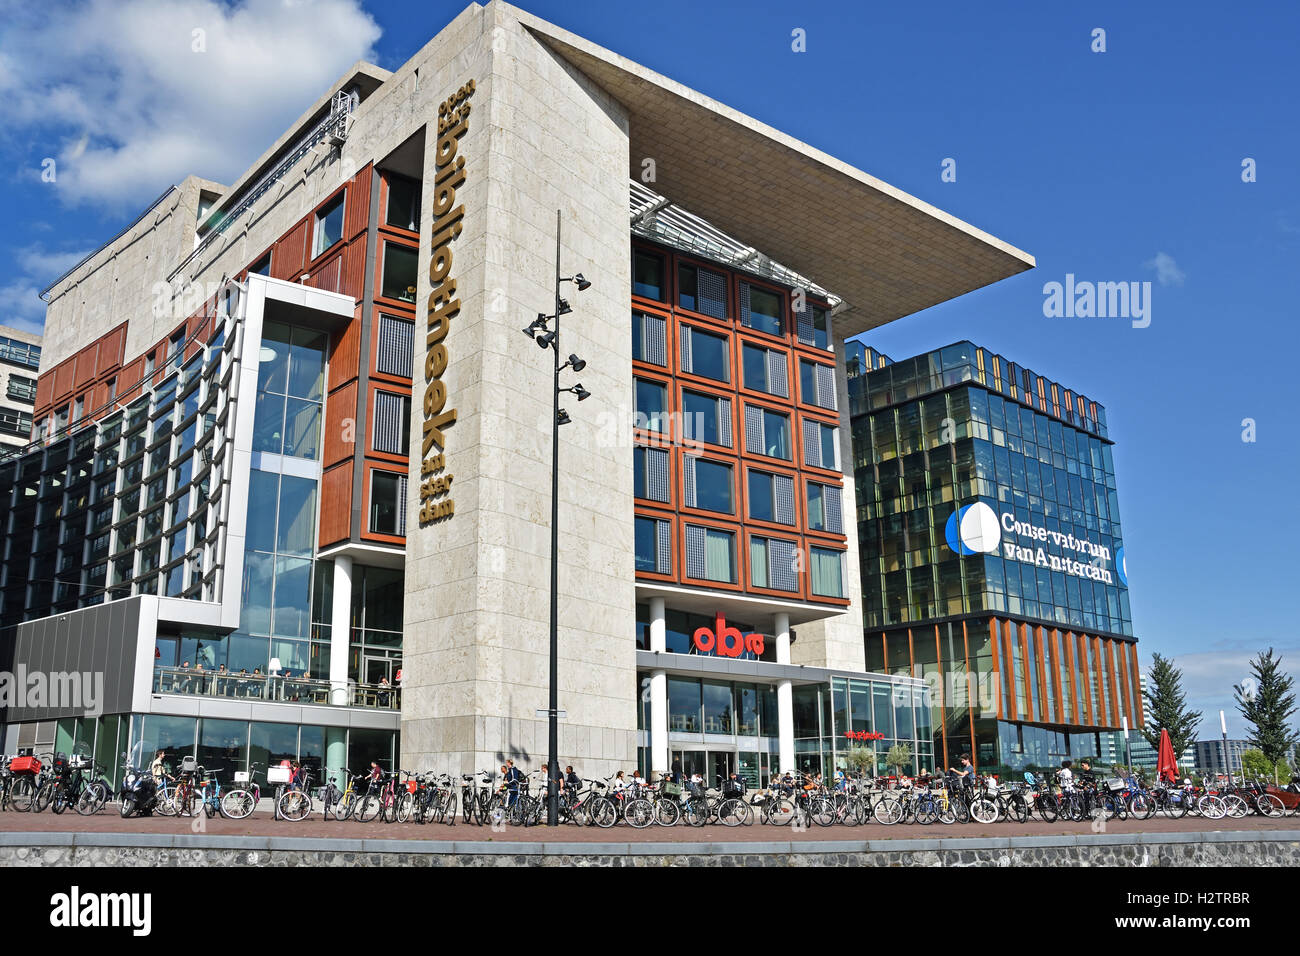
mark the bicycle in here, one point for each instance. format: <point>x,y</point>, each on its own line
<point>242,800</point>
<point>210,792</point>
<point>295,803</point>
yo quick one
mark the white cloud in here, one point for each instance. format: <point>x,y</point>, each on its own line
<point>1167,271</point>
<point>128,107</point>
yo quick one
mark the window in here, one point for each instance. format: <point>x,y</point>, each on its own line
<point>702,290</point>
<point>394,353</point>
<point>78,409</point>
<point>387,503</point>
<point>648,275</point>
<point>22,389</point>
<point>392,423</point>
<point>765,370</point>
<point>20,353</point>
<point>61,419</point>
<point>704,354</point>
<point>771,497</point>
<point>707,485</point>
<point>773,563</point>
<point>826,572</point>
<point>651,405</point>
<point>651,479</point>
<point>399,272</point>
<point>760,309</point>
<point>403,210</point>
<point>817,384</point>
<point>706,418</point>
<point>18,424</point>
<point>824,506</point>
<point>819,445</point>
<point>149,363</point>
<point>329,226</point>
<point>767,433</point>
<point>653,545</point>
<point>649,339</point>
<point>262,267</point>
<point>815,326</point>
<point>710,554</point>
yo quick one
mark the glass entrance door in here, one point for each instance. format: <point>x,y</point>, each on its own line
<point>721,765</point>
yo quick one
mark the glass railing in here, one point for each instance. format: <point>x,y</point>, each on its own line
<point>290,690</point>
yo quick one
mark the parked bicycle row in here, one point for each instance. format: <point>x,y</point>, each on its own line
<point>512,797</point>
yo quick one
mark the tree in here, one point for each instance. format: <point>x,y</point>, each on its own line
<point>1166,706</point>
<point>899,755</point>
<point>861,759</point>
<point>1255,764</point>
<point>1266,701</point>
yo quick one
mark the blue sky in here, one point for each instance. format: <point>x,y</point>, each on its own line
<point>1103,165</point>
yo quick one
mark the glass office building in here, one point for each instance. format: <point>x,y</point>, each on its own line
<point>992,553</point>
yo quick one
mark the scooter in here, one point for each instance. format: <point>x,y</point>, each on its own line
<point>139,793</point>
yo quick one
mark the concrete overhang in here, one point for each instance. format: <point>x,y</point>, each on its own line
<point>886,253</point>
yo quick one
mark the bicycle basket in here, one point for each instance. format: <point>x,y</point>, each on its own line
<point>278,774</point>
<point>241,776</point>
<point>1115,785</point>
<point>79,762</point>
<point>672,789</point>
<point>25,765</point>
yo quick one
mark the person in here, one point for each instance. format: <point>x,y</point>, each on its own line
<point>383,691</point>
<point>374,777</point>
<point>514,776</point>
<point>676,771</point>
<point>638,781</point>
<point>158,769</point>
<point>1085,773</point>
<point>1066,775</point>
<point>571,780</point>
<point>967,772</point>
<point>619,784</point>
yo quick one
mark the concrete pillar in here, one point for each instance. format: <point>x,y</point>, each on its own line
<point>336,755</point>
<point>659,759</point>
<point>784,695</point>
<point>340,631</point>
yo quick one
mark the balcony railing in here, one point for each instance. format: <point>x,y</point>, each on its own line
<point>293,690</point>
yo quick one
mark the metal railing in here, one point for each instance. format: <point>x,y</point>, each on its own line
<point>300,690</point>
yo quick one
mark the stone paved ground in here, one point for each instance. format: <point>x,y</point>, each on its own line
<point>315,827</point>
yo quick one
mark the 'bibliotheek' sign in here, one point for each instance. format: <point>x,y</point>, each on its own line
<point>435,485</point>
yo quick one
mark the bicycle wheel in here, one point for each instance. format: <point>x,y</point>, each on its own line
<point>822,811</point>
<point>21,794</point>
<point>402,809</point>
<point>696,813</point>
<point>640,813</point>
<point>187,803</point>
<point>729,813</point>
<point>237,804</point>
<point>89,803</point>
<point>163,805</point>
<point>1048,808</point>
<point>947,815</point>
<point>1235,806</point>
<point>1269,806</point>
<point>1211,807</point>
<point>295,805</point>
<point>889,810</point>
<point>984,811</point>
<point>667,813</point>
<point>1141,806</point>
<point>603,813</point>
<point>367,808</point>
<point>59,801</point>
<point>451,809</point>
<point>927,812</point>
<point>43,796</point>
<point>779,813</point>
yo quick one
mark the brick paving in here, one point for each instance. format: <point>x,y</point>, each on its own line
<point>264,825</point>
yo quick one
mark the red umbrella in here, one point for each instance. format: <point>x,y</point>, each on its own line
<point>1166,765</point>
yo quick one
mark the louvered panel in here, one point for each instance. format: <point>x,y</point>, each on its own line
<point>390,415</point>
<point>695,565</point>
<point>781,565</point>
<point>724,421</point>
<point>826,386</point>
<point>657,474</point>
<point>783,495</point>
<point>356,216</point>
<point>684,348</point>
<point>654,340</point>
<point>711,293</point>
<point>753,430</point>
<point>688,480</point>
<point>812,445</point>
<point>287,255</point>
<point>777,373</point>
<point>832,503</point>
<point>664,553</point>
<point>401,505</point>
<point>395,354</point>
<point>804,321</point>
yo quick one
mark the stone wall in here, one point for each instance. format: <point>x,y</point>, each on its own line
<point>1242,848</point>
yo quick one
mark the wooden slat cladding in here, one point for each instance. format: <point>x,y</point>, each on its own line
<point>289,254</point>
<point>335,503</point>
<point>340,425</point>
<point>356,212</point>
<point>345,358</point>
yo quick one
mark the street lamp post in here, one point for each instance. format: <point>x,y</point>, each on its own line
<point>1227,761</point>
<point>546,337</point>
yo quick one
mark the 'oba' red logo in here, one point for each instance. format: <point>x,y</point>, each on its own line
<point>727,641</point>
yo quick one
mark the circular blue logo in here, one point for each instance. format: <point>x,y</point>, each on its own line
<point>1121,568</point>
<point>973,529</point>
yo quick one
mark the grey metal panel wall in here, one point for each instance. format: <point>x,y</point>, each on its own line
<point>99,640</point>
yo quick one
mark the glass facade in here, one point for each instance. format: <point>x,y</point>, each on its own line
<point>992,553</point>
